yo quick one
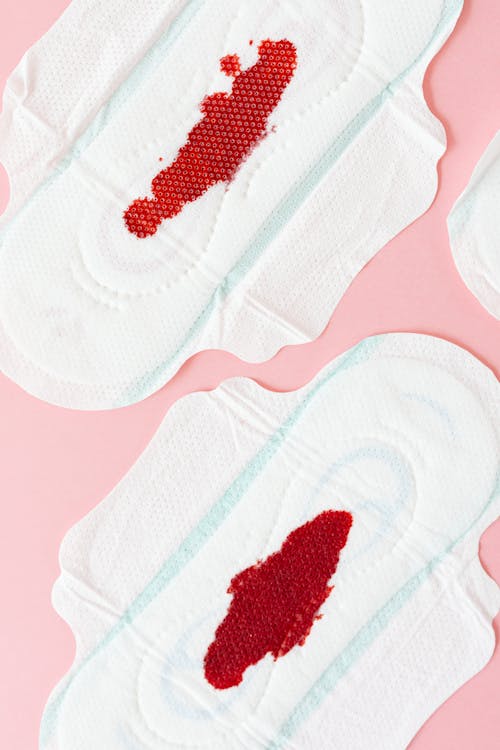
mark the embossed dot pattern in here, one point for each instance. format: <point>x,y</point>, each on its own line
<point>276,601</point>
<point>232,124</point>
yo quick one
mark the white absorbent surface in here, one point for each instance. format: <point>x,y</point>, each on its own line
<point>474,229</point>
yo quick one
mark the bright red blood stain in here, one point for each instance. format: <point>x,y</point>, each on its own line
<point>230,65</point>
<point>231,126</point>
<point>275,602</point>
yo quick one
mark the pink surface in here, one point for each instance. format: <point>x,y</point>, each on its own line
<point>57,464</point>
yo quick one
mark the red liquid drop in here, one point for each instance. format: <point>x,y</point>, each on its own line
<point>230,65</point>
<point>216,146</point>
<point>276,602</point>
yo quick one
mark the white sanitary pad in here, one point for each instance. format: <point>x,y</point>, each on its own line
<point>94,317</point>
<point>403,433</point>
<point>474,228</point>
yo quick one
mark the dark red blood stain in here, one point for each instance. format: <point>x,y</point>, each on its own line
<point>231,126</point>
<point>275,602</point>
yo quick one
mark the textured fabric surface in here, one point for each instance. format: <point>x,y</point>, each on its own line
<point>401,432</point>
<point>93,316</point>
<point>474,228</point>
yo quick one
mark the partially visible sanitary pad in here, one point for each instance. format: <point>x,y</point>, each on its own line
<point>289,570</point>
<point>204,174</point>
<point>474,228</point>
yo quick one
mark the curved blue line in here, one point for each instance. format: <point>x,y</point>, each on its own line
<point>366,635</point>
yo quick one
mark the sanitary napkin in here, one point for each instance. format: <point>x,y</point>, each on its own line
<point>474,228</point>
<point>148,221</point>
<point>384,470</point>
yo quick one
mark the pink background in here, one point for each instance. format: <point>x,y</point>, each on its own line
<point>57,464</point>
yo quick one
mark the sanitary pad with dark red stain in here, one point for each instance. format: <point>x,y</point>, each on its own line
<point>254,489</point>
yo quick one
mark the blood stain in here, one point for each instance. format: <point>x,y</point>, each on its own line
<point>276,601</point>
<point>232,125</point>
